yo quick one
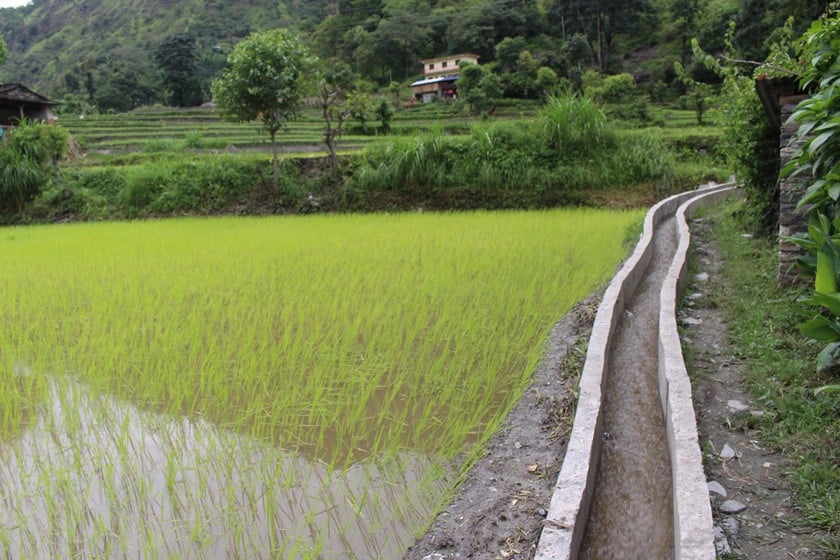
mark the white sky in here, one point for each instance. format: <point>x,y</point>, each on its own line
<point>12,3</point>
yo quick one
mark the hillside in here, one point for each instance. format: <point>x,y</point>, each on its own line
<point>60,46</point>
<point>103,51</point>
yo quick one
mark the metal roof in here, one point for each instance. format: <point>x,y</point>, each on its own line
<point>450,78</point>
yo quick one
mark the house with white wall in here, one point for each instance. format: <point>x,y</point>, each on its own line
<point>439,77</point>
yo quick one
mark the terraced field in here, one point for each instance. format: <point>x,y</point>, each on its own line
<point>157,130</point>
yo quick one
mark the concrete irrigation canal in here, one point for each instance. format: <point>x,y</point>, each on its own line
<point>632,482</point>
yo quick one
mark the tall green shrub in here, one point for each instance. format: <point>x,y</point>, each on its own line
<point>28,161</point>
<point>749,139</point>
<point>819,161</point>
<point>574,125</point>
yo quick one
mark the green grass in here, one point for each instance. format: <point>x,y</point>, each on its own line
<point>373,342</point>
<point>781,363</point>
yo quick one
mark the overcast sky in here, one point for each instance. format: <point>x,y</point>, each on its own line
<point>12,3</point>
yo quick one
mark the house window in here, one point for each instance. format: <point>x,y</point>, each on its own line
<point>445,64</point>
<point>457,61</point>
<point>431,66</point>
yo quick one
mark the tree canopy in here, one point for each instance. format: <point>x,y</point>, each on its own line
<point>267,76</point>
<point>176,57</point>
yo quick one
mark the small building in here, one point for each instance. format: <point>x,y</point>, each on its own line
<point>18,101</point>
<point>439,77</point>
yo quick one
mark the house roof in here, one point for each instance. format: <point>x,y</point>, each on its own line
<point>450,78</point>
<point>21,93</point>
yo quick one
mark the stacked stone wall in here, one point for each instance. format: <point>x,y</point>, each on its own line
<point>791,190</point>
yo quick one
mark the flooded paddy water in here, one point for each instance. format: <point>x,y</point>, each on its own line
<point>92,477</point>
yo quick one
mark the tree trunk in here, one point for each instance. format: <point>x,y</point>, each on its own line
<point>275,164</point>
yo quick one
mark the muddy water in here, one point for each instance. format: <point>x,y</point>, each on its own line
<point>96,478</point>
<point>632,513</point>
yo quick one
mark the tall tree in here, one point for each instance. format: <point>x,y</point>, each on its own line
<point>4,52</point>
<point>176,57</point>
<point>684,14</point>
<point>600,21</point>
<point>267,76</point>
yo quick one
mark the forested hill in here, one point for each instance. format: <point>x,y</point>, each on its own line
<point>104,50</point>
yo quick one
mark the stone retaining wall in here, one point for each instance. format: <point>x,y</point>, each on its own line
<point>791,190</point>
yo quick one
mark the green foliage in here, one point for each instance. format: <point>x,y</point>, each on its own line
<point>749,139</point>
<point>21,178</point>
<point>4,51</point>
<point>698,93</point>
<point>762,320</point>
<point>385,113</point>
<point>819,161</point>
<point>547,82</point>
<point>615,88</point>
<point>470,90</point>
<point>550,161</point>
<point>267,78</point>
<point>29,161</point>
<point>574,126</point>
<point>176,57</point>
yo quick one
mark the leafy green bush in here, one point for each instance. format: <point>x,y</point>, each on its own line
<point>574,126</point>
<point>749,139</point>
<point>819,161</point>
<point>546,162</point>
<point>29,162</point>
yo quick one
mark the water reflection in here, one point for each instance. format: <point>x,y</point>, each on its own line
<point>93,477</point>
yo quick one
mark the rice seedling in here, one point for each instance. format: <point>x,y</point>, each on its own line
<point>291,387</point>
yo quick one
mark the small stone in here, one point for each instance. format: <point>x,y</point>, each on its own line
<point>692,321</point>
<point>541,512</point>
<point>702,277</point>
<point>695,296</point>
<point>732,506</point>
<point>736,405</point>
<point>727,452</point>
<point>716,487</point>
<point>731,525</point>
<point>768,465</point>
<point>721,544</point>
<point>517,445</point>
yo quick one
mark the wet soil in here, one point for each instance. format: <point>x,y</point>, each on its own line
<point>499,508</point>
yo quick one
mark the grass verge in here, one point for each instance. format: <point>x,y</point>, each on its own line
<point>780,363</point>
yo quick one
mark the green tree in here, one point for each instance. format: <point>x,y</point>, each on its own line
<point>684,15</point>
<point>600,21</point>
<point>176,58</point>
<point>547,81</point>
<point>385,111</point>
<point>698,93</point>
<point>4,52</point>
<point>268,75</point>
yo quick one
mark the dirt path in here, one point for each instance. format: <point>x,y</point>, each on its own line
<point>752,474</point>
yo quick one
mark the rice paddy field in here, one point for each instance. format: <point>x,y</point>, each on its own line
<point>295,387</point>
